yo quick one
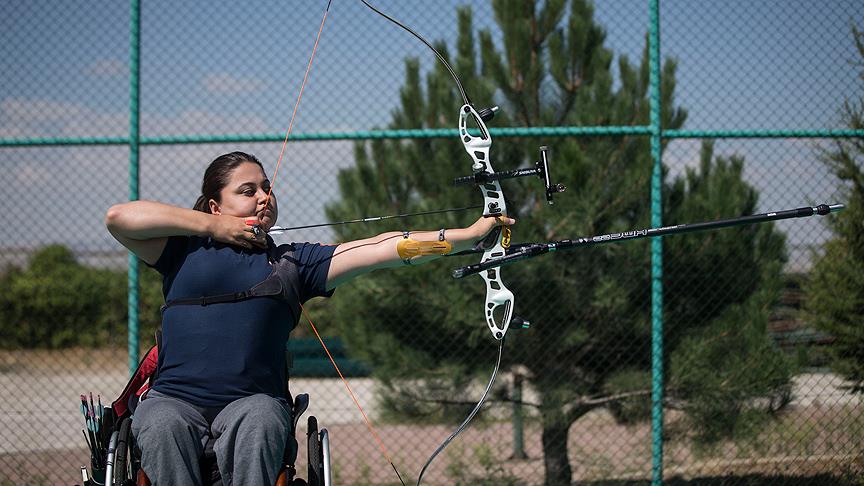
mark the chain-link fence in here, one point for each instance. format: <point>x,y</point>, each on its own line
<point>752,101</point>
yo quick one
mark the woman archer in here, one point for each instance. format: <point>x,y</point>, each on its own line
<point>222,360</point>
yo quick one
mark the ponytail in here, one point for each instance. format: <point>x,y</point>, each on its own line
<point>202,204</point>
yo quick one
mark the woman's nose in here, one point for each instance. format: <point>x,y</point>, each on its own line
<point>264,201</point>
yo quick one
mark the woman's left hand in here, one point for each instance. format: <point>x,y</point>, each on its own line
<point>484,225</point>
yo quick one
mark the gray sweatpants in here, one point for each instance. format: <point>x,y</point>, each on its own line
<point>250,435</point>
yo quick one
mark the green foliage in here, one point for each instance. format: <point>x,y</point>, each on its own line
<point>729,376</point>
<point>835,291</point>
<point>56,302</point>
<point>719,293</point>
<point>635,404</point>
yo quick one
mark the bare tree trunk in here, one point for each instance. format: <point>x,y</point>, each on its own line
<point>555,460</point>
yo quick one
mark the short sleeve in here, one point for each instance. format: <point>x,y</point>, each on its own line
<point>313,261</point>
<point>172,255</point>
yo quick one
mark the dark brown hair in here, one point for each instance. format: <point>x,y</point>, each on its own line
<point>216,177</point>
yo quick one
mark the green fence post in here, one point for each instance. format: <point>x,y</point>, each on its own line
<point>518,419</point>
<point>656,254</point>
<point>134,84</point>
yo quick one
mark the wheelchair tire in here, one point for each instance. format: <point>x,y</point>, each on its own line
<point>316,468</point>
<point>123,455</point>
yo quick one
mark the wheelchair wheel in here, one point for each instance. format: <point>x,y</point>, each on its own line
<point>318,443</point>
<point>326,471</point>
<point>125,462</point>
<point>316,470</point>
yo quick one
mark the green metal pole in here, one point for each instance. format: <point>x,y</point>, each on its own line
<point>446,133</point>
<point>656,254</point>
<point>763,134</point>
<point>518,420</point>
<point>134,97</point>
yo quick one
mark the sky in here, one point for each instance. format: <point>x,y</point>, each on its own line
<point>228,67</point>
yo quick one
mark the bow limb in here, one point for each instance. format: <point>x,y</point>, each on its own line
<point>468,418</point>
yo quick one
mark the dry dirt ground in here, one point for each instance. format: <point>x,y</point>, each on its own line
<point>822,432</point>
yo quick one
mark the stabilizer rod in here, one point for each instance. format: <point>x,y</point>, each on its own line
<point>522,252</point>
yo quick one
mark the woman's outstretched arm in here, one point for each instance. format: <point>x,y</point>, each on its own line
<point>382,251</point>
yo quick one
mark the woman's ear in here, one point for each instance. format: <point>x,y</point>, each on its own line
<point>214,207</point>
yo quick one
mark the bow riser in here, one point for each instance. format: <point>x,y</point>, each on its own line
<point>499,299</point>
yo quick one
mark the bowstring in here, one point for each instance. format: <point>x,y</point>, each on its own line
<point>267,204</point>
<point>297,105</point>
<point>353,397</point>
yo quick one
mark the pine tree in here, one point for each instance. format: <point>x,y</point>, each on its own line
<point>589,344</point>
<point>835,291</point>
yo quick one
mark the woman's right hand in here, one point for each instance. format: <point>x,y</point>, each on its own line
<point>235,231</point>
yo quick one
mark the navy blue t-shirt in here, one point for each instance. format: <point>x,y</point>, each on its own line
<point>212,355</point>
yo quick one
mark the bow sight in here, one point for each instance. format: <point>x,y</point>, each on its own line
<point>540,169</point>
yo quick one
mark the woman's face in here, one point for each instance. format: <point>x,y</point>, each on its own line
<point>245,195</point>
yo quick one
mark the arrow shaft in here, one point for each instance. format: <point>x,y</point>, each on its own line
<point>280,229</point>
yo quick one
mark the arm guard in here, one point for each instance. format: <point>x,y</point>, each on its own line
<point>408,248</point>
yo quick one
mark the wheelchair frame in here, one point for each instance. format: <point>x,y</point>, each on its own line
<point>123,465</point>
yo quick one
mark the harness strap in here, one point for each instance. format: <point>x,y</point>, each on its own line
<point>271,286</point>
<point>208,299</point>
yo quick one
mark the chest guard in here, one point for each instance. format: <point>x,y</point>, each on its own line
<point>282,283</point>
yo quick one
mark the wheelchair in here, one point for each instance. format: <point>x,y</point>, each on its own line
<point>121,464</point>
